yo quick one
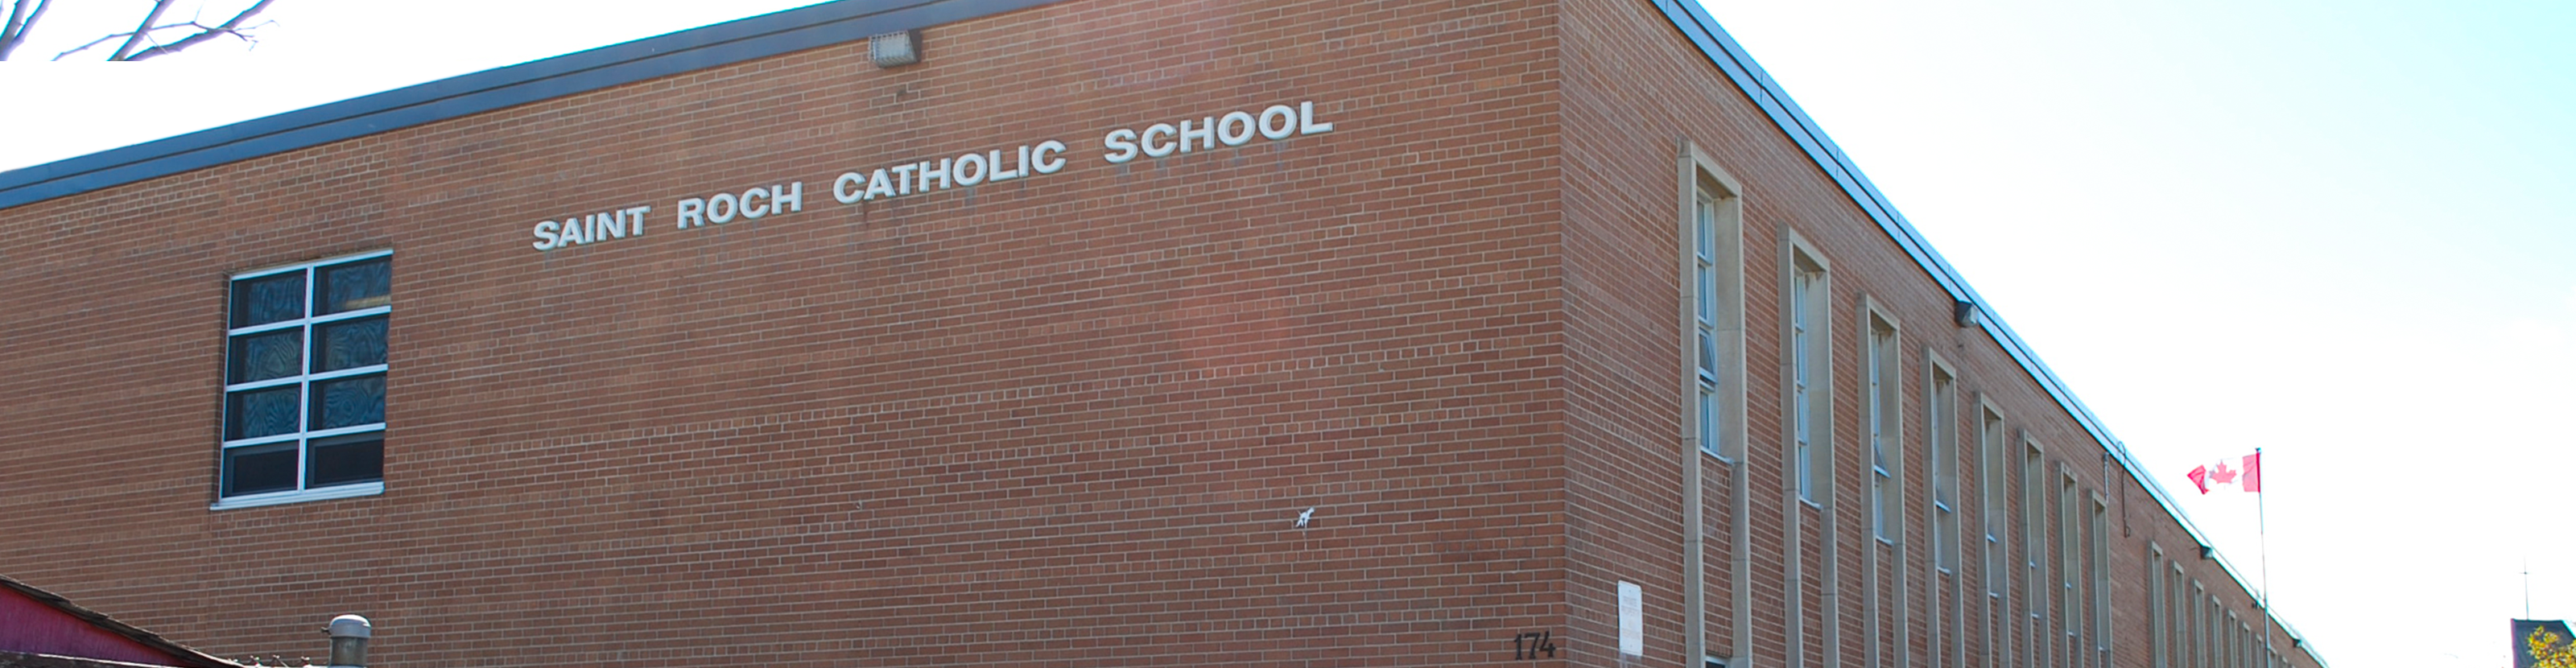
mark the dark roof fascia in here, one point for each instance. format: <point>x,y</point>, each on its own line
<point>1721,49</point>
<point>111,625</point>
<point>684,51</point>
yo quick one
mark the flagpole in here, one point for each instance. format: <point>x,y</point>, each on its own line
<point>2263,543</point>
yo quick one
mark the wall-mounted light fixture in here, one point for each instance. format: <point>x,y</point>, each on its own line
<point>895,49</point>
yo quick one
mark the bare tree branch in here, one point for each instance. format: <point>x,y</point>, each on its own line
<point>17,28</point>
<point>233,27</point>
<point>85,47</point>
<point>141,29</point>
<point>245,36</point>
<point>17,12</point>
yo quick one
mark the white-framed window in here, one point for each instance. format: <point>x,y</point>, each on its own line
<point>1886,428</point>
<point>1704,317</point>
<point>304,382</point>
<point>2178,614</point>
<point>1941,442</point>
<point>2209,610</point>
<point>2101,565</point>
<point>1712,308</point>
<point>2237,656</point>
<point>1993,456</point>
<point>1810,402</point>
<point>1711,346</point>
<point>2034,543</point>
<point>2224,635</point>
<point>2159,631</point>
<point>2200,625</point>
<point>2070,567</point>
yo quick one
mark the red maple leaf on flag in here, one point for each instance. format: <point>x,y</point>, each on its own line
<point>2248,478</point>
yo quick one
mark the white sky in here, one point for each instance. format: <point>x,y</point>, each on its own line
<point>2337,230</point>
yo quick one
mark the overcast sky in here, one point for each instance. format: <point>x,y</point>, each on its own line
<point>2339,231</point>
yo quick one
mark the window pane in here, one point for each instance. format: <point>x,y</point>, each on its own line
<point>349,344</point>
<point>347,459</point>
<point>268,299</point>
<point>267,355</point>
<point>1707,419</point>
<point>1806,486</point>
<point>1707,279</point>
<point>355,285</point>
<point>264,468</point>
<point>1707,354</point>
<point>1707,229</point>
<point>1877,502</point>
<point>259,413</point>
<point>348,402</point>
<point>1799,410</point>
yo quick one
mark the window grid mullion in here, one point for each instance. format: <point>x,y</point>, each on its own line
<point>265,327</point>
<point>304,383</point>
<point>309,321</point>
<point>318,434</point>
<point>263,384</point>
<point>336,374</point>
<point>263,440</point>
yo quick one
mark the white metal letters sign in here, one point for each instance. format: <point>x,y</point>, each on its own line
<point>1206,133</point>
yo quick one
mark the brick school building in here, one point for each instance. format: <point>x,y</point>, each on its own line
<point>1074,333</point>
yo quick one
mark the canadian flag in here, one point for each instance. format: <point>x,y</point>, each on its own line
<point>2247,476</point>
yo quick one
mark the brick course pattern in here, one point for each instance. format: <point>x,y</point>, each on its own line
<point>1063,420</point>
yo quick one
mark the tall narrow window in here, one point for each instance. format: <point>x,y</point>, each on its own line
<point>1810,402</point>
<point>1941,423</point>
<point>304,382</point>
<point>1704,316</point>
<point>2200,626</point>
<point>1710,345</point>
<point>2217,639</point>
<point>1990,448</point>
<point>2180,614</point>
<point>2159,634</point>
<point>2034,543</point>
<point>2244,643</point>
<point>1946,619</point>
<point>1884,427</point>
<point>2070,567</point>
<point>2210,655</point>
<point>2101,594</point>
<point>2235,642</point>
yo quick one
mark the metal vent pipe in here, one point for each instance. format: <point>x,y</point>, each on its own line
<point>349,634</point>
